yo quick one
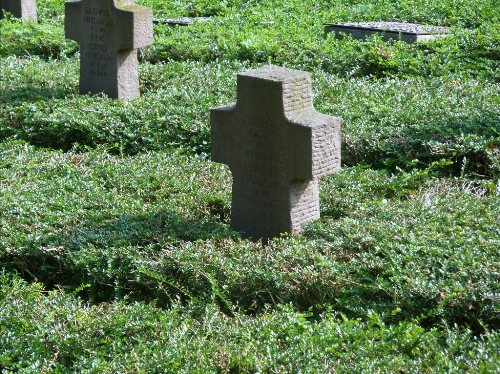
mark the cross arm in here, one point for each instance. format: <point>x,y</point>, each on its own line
<point>299,152</point>
<point>136,23</point>
<point>72,13</point>
<point>319,138</point>
<point>223,133</point>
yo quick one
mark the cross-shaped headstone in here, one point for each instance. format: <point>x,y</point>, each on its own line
<point>277,147</point>
<point>109,33</point>
<point>19,8</point>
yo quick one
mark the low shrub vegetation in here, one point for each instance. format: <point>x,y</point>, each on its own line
<point>387,123</point>
<point>54,331</point>
<point>116,252</point>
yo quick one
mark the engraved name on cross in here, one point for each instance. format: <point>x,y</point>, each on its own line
<point>109,33</point>
<point>277,147</point>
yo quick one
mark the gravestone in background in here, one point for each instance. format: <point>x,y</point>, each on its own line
<point>109,33</point>
<point>407,32</point>
<point>277,147</point>
<point>184,21</point>
<point>19,8</point>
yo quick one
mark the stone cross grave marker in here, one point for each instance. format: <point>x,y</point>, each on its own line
<point>109,33</point>
<point>19,8</point>
<point>277,147</point>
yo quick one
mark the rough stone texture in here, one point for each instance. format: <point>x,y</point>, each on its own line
<point>185,21</point>
<point>407,32</point>
<point>19,8</point>
<point>109,33</point>
<point>277,147</point>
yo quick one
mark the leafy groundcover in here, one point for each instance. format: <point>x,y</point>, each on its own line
<point>116,252</point>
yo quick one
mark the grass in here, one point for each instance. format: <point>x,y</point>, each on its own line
<point>61,332</point>
<point>387,123</point>
<point>115,246</point>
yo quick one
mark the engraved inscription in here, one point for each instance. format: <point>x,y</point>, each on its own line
<point>109,33</point>
<point>97,50</point>
<point>260,168</point>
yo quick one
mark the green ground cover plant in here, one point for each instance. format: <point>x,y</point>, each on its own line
<point>116,253</point>
<point>388,122</point>
<point>59,331</point>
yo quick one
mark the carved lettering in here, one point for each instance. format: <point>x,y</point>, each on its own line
<point>108,58</point>
<point>97,50</point>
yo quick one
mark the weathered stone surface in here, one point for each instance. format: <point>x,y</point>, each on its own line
<point>407,32</point>
<point>19,8</point>
<point>277,147</point>
<point>109,33</point>
<point>185,21</point>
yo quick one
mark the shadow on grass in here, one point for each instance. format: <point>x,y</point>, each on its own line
<point>31,93</point>
<point>470,147</point>
<point>160,227</point>
<point>107,254</point>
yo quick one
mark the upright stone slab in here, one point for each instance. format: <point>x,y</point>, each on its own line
<point>277,147</point>
<point>109,33</point>
<point>19,8</point>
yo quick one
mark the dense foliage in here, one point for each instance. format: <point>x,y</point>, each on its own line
<point>60,332</point>
<point>115,248</point>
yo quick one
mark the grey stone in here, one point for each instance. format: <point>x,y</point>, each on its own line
<point>185,21</point>
<point>109,33</point>
<point>19,8</point>
<point>407,32</point>
<point>277,147</point>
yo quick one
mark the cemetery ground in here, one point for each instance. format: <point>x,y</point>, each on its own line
<point>115,245</point>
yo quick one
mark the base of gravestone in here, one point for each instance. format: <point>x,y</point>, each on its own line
<point>407,32</point>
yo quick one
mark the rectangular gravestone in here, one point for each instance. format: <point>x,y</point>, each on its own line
<point>277,147</point>
<point>184,21</point>
<point>407,32</point>
<point>19,8</point>
<point>109,33</point>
